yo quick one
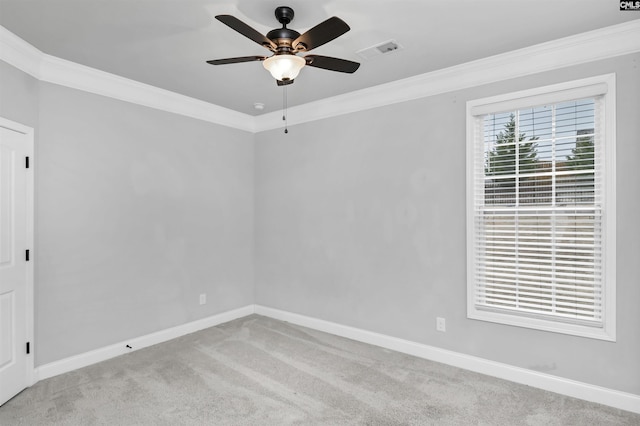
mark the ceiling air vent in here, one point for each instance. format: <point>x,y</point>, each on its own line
<point>383,48</point>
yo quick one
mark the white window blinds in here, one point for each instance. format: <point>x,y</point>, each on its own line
<point>537,200</point>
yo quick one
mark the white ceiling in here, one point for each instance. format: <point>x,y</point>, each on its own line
<point>165,43</point>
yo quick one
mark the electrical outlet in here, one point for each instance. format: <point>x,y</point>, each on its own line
<point>203,299</point>
<point>440,324</point>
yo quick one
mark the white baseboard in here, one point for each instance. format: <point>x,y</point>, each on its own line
<point>102,354</point>
<point>585,391</point>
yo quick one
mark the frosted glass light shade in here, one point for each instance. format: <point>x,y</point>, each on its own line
<point>284,67</point>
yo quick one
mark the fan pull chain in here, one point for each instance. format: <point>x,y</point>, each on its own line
<point>284,108</point>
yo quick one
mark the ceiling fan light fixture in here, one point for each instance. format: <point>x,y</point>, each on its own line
<point>284,67</point>
<point>285,43</point>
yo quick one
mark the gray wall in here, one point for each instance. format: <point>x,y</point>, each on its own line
<point>357,219</point>
<point>360,220</point>
<point>18,96</point>
<point>138,211</point>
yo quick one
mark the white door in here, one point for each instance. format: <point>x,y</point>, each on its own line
<point>16,285</point>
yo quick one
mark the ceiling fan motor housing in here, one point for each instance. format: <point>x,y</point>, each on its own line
<point>283,37</point>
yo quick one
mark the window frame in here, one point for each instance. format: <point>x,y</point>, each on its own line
<point>603,85</point>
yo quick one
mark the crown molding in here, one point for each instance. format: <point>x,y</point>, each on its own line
<point>70,74</point>
<point>22,55</point>
<point>586,47</point>
<point>17,52</point>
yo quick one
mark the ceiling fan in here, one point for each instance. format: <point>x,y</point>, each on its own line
<point>285,43</point>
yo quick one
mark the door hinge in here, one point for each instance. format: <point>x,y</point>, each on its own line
<point>26,162</point>
<point>27,255</point>
<point>28,348</point>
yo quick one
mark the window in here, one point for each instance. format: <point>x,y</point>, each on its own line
<point>541,208</point>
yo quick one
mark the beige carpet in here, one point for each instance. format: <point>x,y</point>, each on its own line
<point>259,371</point>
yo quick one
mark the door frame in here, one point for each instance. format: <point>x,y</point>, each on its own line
<point>28,132</point>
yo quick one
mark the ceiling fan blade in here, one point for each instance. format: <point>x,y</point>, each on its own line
<point>244,29</point>
<point>332,64</point>
<point>284,83</point>
<point>236,60</point>
<point>322,33</point>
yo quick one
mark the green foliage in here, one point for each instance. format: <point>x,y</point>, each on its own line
<point>582,157</point>
<point>501,160</point>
